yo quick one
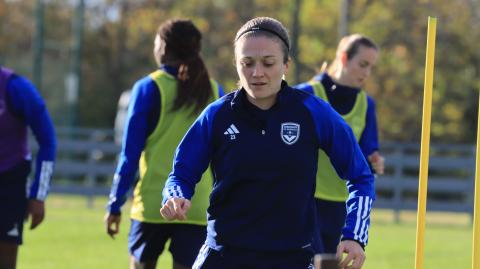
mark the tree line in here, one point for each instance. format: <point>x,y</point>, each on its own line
<point>118,35</point>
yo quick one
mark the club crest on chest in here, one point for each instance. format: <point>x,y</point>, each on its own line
<point>290,132</point>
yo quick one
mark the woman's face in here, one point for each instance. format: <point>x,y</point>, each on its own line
<point>356,70</point>
<point>260,67</point>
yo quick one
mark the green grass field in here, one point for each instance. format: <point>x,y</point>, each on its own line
<point>73,237</point>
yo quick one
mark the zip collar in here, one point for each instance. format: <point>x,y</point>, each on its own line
<point>240,99</point>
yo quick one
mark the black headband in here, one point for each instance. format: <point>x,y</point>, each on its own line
<point>258,28</point>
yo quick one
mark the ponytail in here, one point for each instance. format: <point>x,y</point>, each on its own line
<point>193,88</point>
<point>182,47</point>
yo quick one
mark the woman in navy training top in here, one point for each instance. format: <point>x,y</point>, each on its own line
<point>262,142</point>
<point>340,85</point>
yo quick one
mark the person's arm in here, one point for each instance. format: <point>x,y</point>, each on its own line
<point>27,103</point>
<point>142,117</point>
<point>144,102</point>
<point>191,159</point>
<point>339,143</point>
<point>369,140</point>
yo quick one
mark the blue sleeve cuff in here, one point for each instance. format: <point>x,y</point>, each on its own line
<point>41,185</point>
<point>173,189</point>
<point>357,223</point>
<point>118,193</point>
<point>351,239</point>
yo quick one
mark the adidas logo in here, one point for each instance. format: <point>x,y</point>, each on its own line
<point>232,131</point>
<point>13,231</point>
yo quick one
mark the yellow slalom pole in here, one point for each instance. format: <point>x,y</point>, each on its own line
<point>425,143</point>
<point>476,220</point>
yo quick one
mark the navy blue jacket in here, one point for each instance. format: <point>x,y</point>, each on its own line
<point>264,164</point>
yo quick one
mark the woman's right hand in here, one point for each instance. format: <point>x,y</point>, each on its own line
<point>112,223</point>
<point>175,209</point>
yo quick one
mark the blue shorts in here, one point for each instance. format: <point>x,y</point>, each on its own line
<point>13,202</point>
<point>329,222</point>
<point>146,241</point>
<point>233,258</point>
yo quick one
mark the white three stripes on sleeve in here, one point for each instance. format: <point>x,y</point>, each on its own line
<point>361,225</point>
<point>174,191</point>
<point>115,183</point>
<point>45,176</point>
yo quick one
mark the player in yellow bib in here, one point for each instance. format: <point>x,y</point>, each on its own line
<point>162,107</point>
<point>340,85</point>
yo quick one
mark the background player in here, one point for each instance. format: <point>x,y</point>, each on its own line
<point>162,107</point>
<point>341,87</point>
<point>21,106</point>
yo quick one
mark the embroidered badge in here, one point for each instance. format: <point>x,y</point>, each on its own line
<point>290,132</point>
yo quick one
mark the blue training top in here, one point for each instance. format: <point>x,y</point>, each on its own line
<point>142,119</point>
<point>264,164</point>
<point>342,98</point>
<point>25,101</point>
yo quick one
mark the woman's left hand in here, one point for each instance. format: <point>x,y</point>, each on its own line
<point>355,255</point>
<point>378,162</point>
<point>36,211</point>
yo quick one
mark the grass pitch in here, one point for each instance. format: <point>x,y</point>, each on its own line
<point>73,236</point>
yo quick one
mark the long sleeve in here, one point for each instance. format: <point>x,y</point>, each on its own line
<point>29,105</point>
<point>192,158</point>
<point>142,117</point>
<point>369,139</point>
<point>337,140</point>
